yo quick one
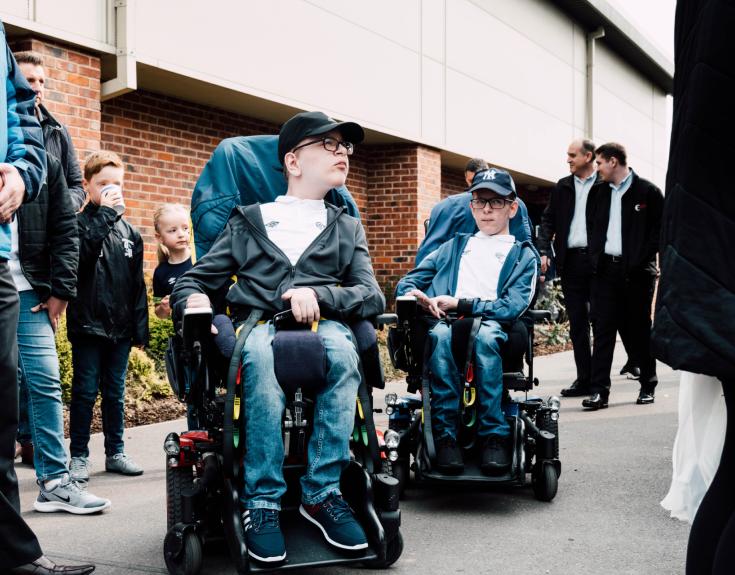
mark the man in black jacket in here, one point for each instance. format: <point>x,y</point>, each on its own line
<point>564,221</point>
<point>43,264</point>
<point>56,137</point>
<point>623,226</point>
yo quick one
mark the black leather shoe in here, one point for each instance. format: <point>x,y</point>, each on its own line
<point>595,402</point>
<point>577,389</point>
<point>448,455</point>
<point>645,397</point>
<point>632,371</point>
<point>44,566</point>
<point>496,455</point>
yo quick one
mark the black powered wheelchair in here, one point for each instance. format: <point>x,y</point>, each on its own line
<point>204,466</point>
<point>534,421</point>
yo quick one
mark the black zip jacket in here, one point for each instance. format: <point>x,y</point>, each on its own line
<point>642,206</point>
<point>557,218</point>
<point>57,141</point>
<point>111,300</point>
<point>48,243</point>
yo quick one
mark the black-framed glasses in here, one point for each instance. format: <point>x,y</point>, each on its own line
<point>330,145</point>
<point>495,203</point>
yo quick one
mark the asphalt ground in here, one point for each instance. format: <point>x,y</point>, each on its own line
<point>606,517</point>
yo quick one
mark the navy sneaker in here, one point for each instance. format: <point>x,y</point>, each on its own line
<point>263,535</point>
<point>339,526</point>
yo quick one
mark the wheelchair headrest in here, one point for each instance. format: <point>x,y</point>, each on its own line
<point>299,360</point>
<point>242,171</point>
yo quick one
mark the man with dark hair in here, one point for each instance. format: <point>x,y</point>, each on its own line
<point>22,171</point>
<point>453,215</point>
<point>564,226</point>
<point>623,225</point>
<point>473,166</point>
<point>56,137</point>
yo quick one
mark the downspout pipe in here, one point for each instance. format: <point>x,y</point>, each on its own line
<point>590,91</point>
<point>127,74</point>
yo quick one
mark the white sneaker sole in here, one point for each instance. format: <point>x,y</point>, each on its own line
<point>53,506</point>
<point>266,559</point>
<point>331,541</point>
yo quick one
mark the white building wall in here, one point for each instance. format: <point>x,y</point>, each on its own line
<point>501,79</point>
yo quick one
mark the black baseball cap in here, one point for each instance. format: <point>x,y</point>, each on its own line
<point>495,179</point>
<point>308,124</point>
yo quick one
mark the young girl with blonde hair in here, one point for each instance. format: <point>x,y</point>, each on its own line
<point>171,225</point>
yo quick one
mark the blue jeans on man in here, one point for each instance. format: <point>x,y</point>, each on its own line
<point>99,364</point>
<point>334,413</point>
<point>447,382</point>
<point>38,372</point>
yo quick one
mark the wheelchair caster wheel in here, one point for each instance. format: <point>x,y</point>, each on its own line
<point>184,557</point>
<point>402,474</point>
<point>545,482</point>
<point>392,553</point>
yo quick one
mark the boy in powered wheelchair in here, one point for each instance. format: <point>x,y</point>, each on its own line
<point>281,437</point>
<point>464,325</point>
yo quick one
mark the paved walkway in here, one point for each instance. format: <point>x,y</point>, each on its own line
<point>605,519</point>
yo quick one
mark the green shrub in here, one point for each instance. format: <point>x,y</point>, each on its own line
<point>160,331</point>
<point>63,348</point>
<point>146,376</point>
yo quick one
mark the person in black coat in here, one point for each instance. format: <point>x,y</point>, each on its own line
<point>694,328</point>
<point>623,225</point>
<point>56,138</point>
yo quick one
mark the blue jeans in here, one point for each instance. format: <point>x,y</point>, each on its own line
<point>41,417</point>
<point>334,416</point>
<point>447,382</point>
<point>99,364</point>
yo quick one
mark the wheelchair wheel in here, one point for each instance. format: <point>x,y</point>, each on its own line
<point>178,479</point>
<point>393,552</point>
<point>188,561</point>
<point>545,423</point>
<point>545,482</point>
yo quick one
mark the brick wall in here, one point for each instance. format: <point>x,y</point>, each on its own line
<point>165,143</point>
<point>403,185</point>
<point>72,89</point>
<point>452,182</point>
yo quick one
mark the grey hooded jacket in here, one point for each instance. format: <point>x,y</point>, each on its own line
<point>336,265</point>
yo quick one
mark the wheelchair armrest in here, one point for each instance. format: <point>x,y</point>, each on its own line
<point>539,315</point>
<point>196,325</point>
<point>386,319</point>
<point>406,308</point>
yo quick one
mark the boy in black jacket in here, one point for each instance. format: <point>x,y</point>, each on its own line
<point>109,315</point>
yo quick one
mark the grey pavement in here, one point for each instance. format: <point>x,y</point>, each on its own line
<point>605,519</point>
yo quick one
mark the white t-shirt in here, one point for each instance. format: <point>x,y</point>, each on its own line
<point>292,223</point>
<point>480,265</point>
<point>21,283</point>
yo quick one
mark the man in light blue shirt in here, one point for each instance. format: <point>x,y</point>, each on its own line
<point>614,241</point>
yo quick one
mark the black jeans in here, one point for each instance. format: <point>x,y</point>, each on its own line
<point>576,278</point>
<point>621,302</point>
<point>18,544</point>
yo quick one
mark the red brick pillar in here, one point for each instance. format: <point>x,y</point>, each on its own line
<point>72,90</point>
<point>403,184</point>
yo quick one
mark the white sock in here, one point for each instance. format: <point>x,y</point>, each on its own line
<point>51,484</point>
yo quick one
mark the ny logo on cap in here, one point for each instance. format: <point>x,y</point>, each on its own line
<point>489,174</point>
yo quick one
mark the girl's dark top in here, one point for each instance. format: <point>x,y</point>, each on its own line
<point>165,276</point>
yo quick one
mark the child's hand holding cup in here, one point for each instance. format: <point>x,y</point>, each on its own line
<point>111,196</point>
